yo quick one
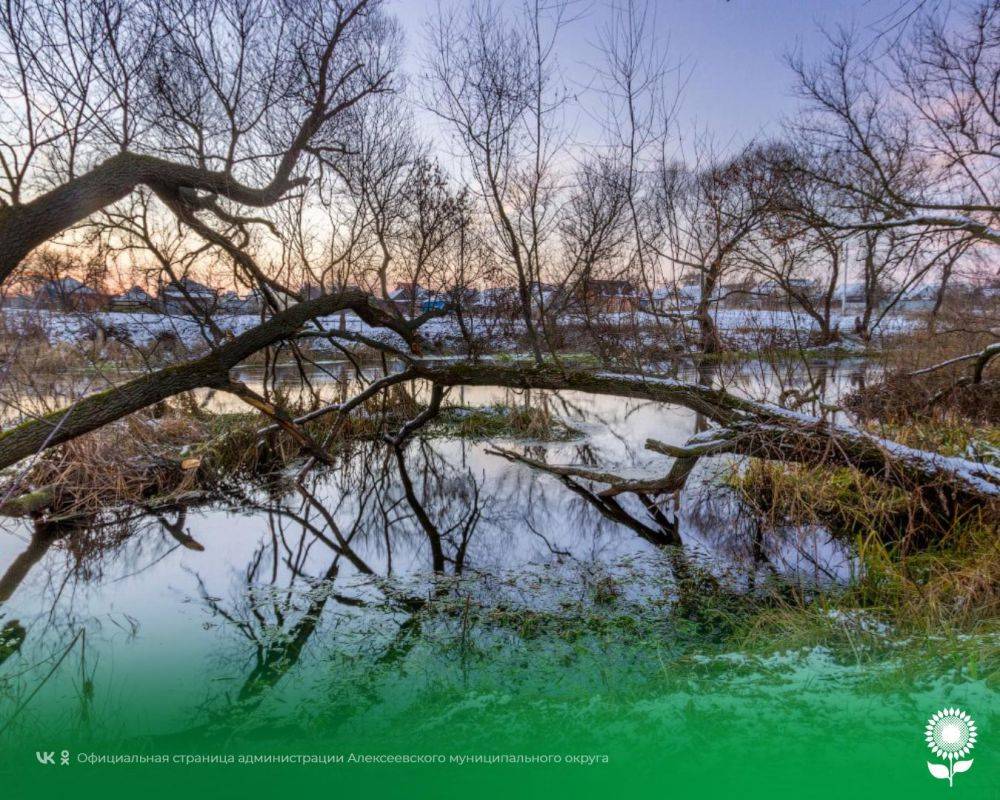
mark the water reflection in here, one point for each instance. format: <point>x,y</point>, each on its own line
<point>357,553</point>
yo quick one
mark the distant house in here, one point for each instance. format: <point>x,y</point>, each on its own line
<point>919,298</point>
<point>971,292</point>
<point>853,297</point>
<point>687,291</point>
<point>187,296</point>
<point>493,296</point>
<point>467,298</point>
<point>852,293</point>
<point>310,291</point>
<point>135,299</point>
<point>662,298</point>
<point>548,294</point>
<point>801,284</point>
<point>409,297</point>
<point>537,288</point>
<point>610,296</point>
<point>68,294</point>
<point>500,301</point>
<point>17,301</point>
<point>786,290</point>
<point>741,293</point>
<point>232,303</point>
<point>780,288</point>
<point>689,294</point>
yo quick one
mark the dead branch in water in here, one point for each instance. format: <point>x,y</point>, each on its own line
<point>746,427</point>
<point>757,429</point>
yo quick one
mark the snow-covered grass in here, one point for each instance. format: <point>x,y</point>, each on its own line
<point>143,328</point>
<point>741,325</point>
<point>732,319</point>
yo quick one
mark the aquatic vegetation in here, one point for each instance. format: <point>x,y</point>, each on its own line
<point>504,422</point>
<point>920,571</point>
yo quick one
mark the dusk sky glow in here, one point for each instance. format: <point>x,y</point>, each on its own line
<point>731,54</point>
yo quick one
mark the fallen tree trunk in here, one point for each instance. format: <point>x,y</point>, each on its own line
<point>30,504</point>
<point>883,459</point>
<point>753,428</point>
<point>749,427</point>
<point>210,371</point>
<point>716,404</point>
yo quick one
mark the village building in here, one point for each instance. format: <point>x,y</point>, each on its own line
<point>136,300</point>
<point>411,297</point>
<point>68,294</point>
<point>310,291</point>
<point>232,303</point>
<point>17,300</point>
<point>739,294</point>
<point>186,296</point>
<point>601,296</point>
<point>661,298</point>
<point>919,298</point>
<point>779,293</point>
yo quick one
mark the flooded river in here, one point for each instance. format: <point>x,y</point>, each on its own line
<point>396,605</point>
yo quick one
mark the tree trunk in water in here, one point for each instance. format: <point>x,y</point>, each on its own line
<point>210,371</point>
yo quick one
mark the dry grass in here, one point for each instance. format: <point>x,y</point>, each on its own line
<point>902,397</point>
<point>916,568</point>
<point>131,460</point>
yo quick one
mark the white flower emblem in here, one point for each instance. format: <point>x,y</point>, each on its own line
<point>950,734</point>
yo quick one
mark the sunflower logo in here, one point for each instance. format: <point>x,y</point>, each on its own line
<point>950,734</point>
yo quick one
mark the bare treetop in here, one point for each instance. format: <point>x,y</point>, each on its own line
<point>196,99</point>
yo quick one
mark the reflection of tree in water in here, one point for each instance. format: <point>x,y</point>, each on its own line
<point>390,533</point>
<point>341,539</point>
<point>42,538</point>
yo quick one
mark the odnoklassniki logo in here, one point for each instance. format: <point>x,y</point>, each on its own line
<point>950,734</point>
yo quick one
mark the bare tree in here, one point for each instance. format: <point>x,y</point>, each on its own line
<point>639,110</point>
<point>706,215</point>
<point>916,125</point>
<point>206,102</point>
<point>378,173</point>
<point>490,78</point>
<point>435,216</point>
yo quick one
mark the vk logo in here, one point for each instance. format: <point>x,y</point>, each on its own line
<point>45,758</point>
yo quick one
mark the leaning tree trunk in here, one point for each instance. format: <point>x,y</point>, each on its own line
<point>748,427</point>
<point>753,428</point>
<point>25,227</point>
<point>211,371</point>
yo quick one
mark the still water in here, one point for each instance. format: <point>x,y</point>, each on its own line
<point>376,590</point>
